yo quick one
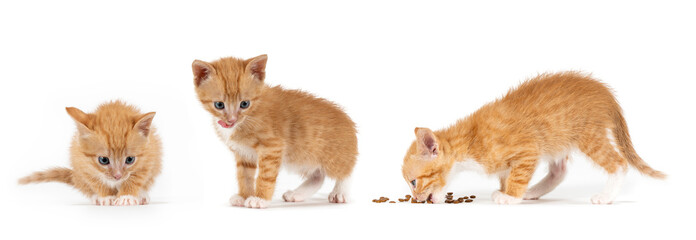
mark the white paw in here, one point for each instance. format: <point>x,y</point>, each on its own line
<point>502,198</point>
<point>437,198</point>
<point>255,202</point>
<point>531,195</point>
<point>144,198</point>
<point>103,201</point>
<point>237,201</point>
<point>601,199</point>
<point>292,196</point>
<point>127,200</point>
<point>337,197</point>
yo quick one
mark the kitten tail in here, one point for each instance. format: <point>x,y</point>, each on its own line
<point>57,174</point>
<point>624,141</point>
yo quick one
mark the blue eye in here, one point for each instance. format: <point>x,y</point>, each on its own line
<point>413,183</point>
<point>219,105</point>
<point>130,160</point>
<point>103,160</point>
<point>244,104</point>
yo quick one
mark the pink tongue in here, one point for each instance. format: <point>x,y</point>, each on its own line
<point>223,124</point>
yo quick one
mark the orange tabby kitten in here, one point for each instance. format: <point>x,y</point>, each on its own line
<point>542,120</point>
<point>115,155</point>
<point>267,127</point>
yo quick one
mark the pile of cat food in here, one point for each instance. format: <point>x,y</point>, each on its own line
<point>449,199</point>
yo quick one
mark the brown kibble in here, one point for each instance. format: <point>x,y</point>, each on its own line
<point>408,196</point>
<point>431,202</point>
<point>450,193</point>
<point>465,197</point>
<point>469,200</point>
<point>472,196</point>
<point>392,202</point>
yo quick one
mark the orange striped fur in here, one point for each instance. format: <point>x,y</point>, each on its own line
<point>307,134</point>
<point>115,131</point>
<point>542,120</point>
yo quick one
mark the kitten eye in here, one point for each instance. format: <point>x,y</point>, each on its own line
<point>219,105</point>
<point>104,160</point>
<point>244,104</point>
<point>130,160</point>
<point>413,183</point>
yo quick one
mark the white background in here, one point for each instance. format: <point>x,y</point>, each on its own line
<point>392,65</point>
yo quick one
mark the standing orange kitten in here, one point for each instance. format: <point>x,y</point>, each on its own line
<point>115,155</point>
<point>542,120</point>
<point>267,127</point>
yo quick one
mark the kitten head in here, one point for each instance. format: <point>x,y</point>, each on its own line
<point>113,138</point>
<point>425,169</point>
<point>230,87</point>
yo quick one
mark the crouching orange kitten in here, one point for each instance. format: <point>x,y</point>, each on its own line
<point>267,127</point>
<point>541,121</point>
<point>115,155</point>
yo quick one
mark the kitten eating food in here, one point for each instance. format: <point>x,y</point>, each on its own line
<point>266,127</point>
<point>115,155</point>
<point>541,121</point>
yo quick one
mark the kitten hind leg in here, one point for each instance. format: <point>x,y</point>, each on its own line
<point>611,190</point>
<point>340,191</point>
<point>310,186</point>
<point>602,149</point>
<point>557,172</point>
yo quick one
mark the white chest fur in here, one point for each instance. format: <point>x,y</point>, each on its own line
<point>241,149</point>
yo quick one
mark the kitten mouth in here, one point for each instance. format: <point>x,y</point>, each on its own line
<point>430,197</point>
<point>224,124</point>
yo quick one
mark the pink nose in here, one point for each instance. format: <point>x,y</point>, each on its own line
<point>117,176</point>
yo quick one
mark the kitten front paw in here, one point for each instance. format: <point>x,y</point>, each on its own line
<point>338,197</point>
<point>292,196</point>
<point>127,200</point>
<point>502,198</point>
<point>144,198</point>
<point>437,198</point>
<point>237,201</point>
<point>255,202</point>
<point>103,201</point>
<point>601,199</point>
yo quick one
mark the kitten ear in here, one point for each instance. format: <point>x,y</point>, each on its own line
<point>426,142</point>
<point>201,71</point>
<point>81,119</point>
<point>142,125</point>
<point>257,67</point>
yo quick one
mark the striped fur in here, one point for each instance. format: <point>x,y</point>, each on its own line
<point>279,128</point>
<point>546,117</point>
<point>115,130</point>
